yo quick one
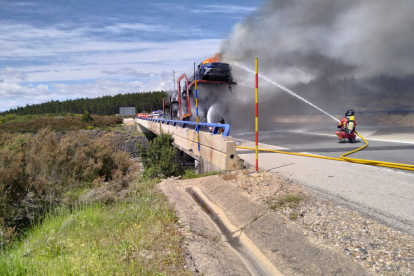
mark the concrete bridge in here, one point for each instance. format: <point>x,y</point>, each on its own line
<point>217,151</point>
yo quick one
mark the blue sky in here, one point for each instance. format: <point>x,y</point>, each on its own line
<point>61,49</point>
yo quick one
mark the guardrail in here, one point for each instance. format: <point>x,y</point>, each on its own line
<point>215,126</point>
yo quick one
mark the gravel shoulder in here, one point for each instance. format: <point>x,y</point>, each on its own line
<point>380,248</point>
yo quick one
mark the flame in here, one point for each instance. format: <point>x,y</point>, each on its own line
<point>215,58</point>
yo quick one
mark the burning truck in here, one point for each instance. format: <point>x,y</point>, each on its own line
<point>214,81</point>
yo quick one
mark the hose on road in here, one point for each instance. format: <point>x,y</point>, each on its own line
<point>374,162</point>
<point>344,158</point>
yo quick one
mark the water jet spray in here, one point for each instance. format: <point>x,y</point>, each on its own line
<point>286,90</point>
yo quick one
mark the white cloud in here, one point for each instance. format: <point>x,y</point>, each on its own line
<point>135,26</point>
<point>13,94</point>
<point>103,57</point>
<point>129,71</point>
<point>16,4</point>
<point>53,50</point>
<point>21,40</point>
<point>229,9</point>
<point>119,28</point>
<point>11,73</point>
<point>82,59</point>
<point>224,9</point>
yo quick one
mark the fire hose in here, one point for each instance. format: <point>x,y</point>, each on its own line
<point>344,158</point>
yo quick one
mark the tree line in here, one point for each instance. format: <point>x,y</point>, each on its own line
<point>105,105</point>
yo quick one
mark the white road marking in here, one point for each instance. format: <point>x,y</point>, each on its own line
<point>304,152</point>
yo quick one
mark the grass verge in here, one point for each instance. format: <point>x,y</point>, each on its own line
<point>136,235</point>
<point>122,128</point>
<point>291,201</point>
<point>190,174</point>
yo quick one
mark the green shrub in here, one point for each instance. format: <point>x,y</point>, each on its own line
<point>36,172</point>
<point>159,157</point>
<point>190,173</point>
<point>8,118</point>
<point>86,117</point>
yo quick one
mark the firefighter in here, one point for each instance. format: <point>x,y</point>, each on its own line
<point>220,130</point>
<point>347,128</point>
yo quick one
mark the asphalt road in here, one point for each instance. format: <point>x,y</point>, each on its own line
<point>382,193</point>
<point>321,140</point>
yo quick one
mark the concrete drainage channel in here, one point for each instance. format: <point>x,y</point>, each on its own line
<point>244,248</point>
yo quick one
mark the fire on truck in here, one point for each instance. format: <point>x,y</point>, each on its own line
<point>214,80</point>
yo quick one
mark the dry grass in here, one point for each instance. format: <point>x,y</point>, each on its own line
<point>228,176</point>
<point>124,128</point>
<point>275,191</point>
<point>291,201</point>
<point>33,124</point>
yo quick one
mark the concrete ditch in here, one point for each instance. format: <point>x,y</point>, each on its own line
<point>253,239</point>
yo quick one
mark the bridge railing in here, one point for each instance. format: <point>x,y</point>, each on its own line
<point>183,124</point>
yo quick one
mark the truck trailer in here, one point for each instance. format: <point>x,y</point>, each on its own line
<point>214,81</point>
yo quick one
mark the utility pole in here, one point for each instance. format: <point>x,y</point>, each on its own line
<point>174,79</point>
<point>257,113</point>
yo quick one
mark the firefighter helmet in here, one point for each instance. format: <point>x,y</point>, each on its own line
<point>349,113</point>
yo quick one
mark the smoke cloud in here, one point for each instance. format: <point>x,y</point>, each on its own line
<point>337,54</point>
<point>299,40</point>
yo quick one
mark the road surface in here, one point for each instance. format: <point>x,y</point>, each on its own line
<point>391,144</point>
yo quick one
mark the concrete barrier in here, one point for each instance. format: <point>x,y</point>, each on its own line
<point>216,153</point>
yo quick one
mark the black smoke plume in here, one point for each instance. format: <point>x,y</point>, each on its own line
<point>337,54</point>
